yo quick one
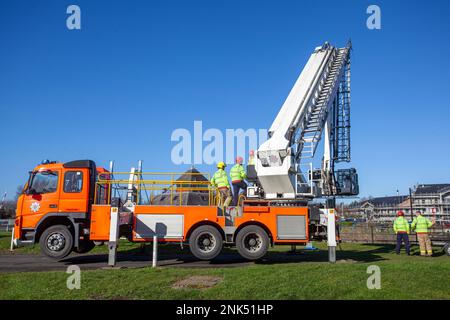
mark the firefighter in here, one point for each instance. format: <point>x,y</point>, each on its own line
<point>421,225</point>
<point>401,228</point>
<point>220,179</point>
<point>238,175</point>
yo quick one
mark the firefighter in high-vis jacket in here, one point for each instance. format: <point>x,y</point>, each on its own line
<point>421,225</point>
<point>238,175</point>
<point>220,180</point>
<point>401,229</point>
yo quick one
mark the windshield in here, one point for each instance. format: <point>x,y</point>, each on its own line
<point>44,182</point>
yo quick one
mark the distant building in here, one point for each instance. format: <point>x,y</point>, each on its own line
<point>432,199</point>
<point>381,208</point>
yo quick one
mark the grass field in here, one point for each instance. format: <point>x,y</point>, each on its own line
<point>402,277</point>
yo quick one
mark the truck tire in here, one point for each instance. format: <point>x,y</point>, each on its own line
<point>252,242</point>
<point>56,242</point>
<point>84,246</point>
<point>205,242</point>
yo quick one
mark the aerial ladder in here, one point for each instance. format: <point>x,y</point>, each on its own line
<point>318,105</point>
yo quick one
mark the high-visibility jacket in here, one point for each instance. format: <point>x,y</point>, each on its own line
<point>421,224</point>
<point>237,173</point>
<point>401,225</point>
<point>220,179</point>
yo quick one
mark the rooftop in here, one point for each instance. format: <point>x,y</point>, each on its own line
<point>386,201</point>
<point>430,188</point>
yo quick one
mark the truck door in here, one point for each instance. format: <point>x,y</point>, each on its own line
<point>42,197</point>
<point>75,191</point>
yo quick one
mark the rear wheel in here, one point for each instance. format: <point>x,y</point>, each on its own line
<point>252,242</point>
<point>56,241</point>
<point>205,242</point>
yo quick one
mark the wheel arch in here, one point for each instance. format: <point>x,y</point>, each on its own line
<point>203,223</point>
<point>254,223</point>
<point>52,220</point>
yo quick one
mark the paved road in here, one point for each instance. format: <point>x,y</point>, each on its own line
<point>31,262</point>
<point>14,262</point>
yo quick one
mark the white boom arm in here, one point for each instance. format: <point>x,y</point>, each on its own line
<point>300,121</point>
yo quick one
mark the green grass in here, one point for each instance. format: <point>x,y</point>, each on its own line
<point>402,277</point>
<point>5,242</point>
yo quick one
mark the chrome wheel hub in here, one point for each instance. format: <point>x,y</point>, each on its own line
<point>206,242</point>
<point>56,242</point>
<point>253,242</point>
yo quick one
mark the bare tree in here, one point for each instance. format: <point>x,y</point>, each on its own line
<point>19,191</point>
<point>8,210</point>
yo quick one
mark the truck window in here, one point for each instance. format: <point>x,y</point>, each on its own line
<point>44,182</point>
<point>73,181</point>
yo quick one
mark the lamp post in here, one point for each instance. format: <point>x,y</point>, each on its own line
<point>410,203</point>
<point>398,202</point>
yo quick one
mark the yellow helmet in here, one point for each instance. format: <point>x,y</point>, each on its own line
<point>221,165</point>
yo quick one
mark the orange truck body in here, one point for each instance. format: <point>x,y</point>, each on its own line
<point>74,207</point>
<point>194,216</point>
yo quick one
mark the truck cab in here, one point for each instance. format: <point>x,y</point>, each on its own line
<point>55,206</point>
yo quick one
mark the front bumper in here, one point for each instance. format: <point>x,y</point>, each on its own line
<point>22,243</point>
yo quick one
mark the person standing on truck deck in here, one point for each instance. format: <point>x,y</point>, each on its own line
<point>238,175</point>
<point>401,228</point>
<point>220,179</point>
<point>421,225</point>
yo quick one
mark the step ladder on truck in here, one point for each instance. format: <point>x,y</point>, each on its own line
<point>72,206</point>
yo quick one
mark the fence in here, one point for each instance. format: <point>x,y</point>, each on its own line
<point>6,224</point>
<point>383,233</point>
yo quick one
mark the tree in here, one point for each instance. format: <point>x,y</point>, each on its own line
<point>19,191</point>
<point>8,210</point>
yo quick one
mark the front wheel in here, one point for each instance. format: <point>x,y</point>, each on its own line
<point>205,242</point>
<point>252,242</point>
<point>56,242</point>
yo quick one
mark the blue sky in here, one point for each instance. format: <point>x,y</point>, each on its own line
<point>137,70</point>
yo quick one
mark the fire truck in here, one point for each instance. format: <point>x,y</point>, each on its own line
<point>72,206</point>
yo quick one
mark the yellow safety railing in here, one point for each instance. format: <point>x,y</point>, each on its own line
<point>161,184</point>
<point>241,199</point>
